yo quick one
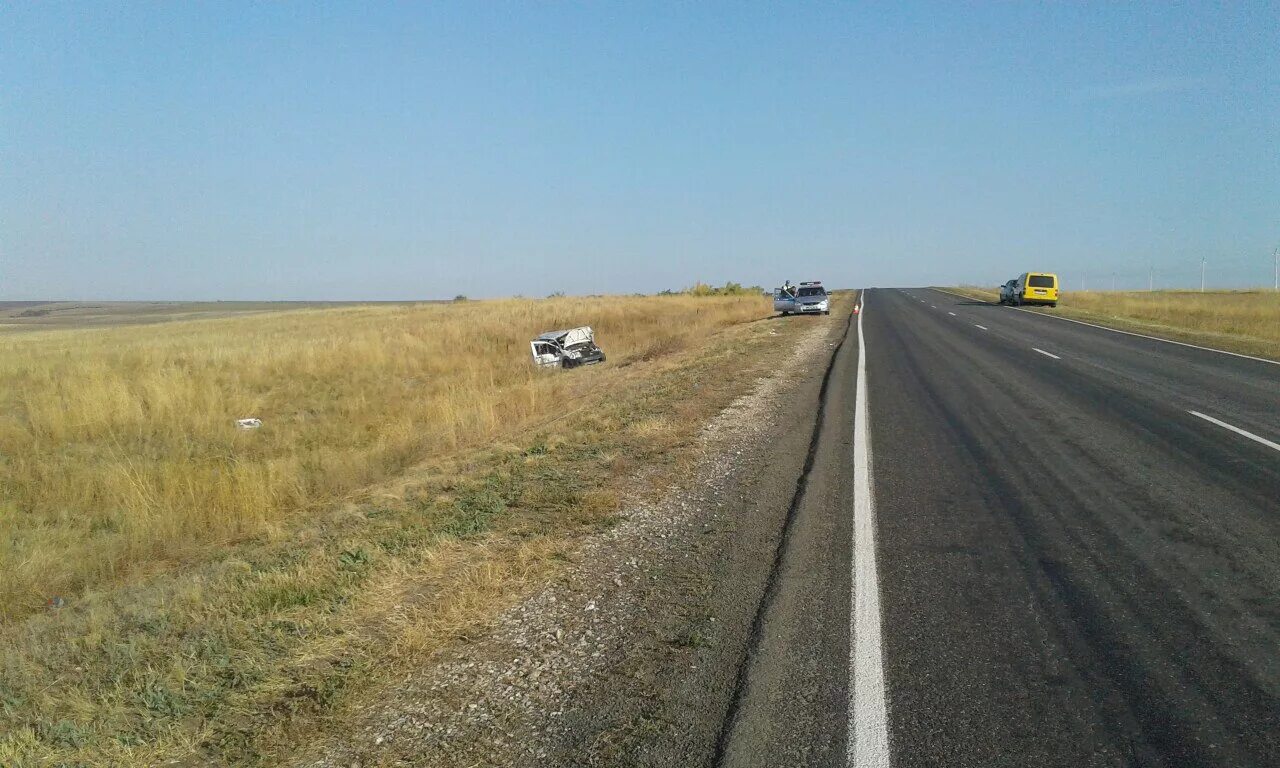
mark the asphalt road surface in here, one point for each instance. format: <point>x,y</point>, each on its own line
<point>1039,544</point>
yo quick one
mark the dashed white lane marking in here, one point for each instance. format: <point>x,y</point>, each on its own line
<point>1153,338</point>
<point>983,327</point>
<point>1046,354</point>
<point>1237,430</point>
<point>953,314</point>
<point>1129,333</point>
<point>935,306</point>
<point>868,737</point>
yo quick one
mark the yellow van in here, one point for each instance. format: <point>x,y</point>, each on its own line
<point>1035,288</point>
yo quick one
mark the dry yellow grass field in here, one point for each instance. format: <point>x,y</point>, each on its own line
<point>221,588</point>
<point>1238,321</point>
<point>121,451</point>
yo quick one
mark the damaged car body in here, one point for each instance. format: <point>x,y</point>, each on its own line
<point>566,349</point>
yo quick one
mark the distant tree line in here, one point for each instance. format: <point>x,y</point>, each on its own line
<point>704,289</point>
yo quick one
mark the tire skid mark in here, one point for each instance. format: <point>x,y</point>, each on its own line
<point>780,554</point>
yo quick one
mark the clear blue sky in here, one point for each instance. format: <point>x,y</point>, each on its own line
<point>293,151</point>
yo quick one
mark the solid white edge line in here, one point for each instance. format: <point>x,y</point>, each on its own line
<point>1237,430</point>
<point>983,327</point>
<point>1046,354</point>
<point>1128,333</point>
<point>868,737</point>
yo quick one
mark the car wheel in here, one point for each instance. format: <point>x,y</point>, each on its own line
<point>1053,304</point>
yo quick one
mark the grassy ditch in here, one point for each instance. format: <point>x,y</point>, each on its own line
<point>221,594</point>
<point>1247,322</point>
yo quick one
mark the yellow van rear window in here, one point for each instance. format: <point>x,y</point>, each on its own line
<point>1041,281</point>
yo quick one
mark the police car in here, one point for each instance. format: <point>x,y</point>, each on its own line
<point>812,299</point>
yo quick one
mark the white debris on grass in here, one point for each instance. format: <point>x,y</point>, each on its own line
<point>501,699</point>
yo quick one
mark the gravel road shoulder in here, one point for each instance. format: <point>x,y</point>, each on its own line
<point>630,656</point>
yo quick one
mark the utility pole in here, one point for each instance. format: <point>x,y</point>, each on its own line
<point>1276,256</point>
<point>1084,281</point>
<point>1202,274</point>
<point>1113,282</point>
<point>1151,280</point>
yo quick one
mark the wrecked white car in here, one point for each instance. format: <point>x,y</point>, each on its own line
<point>566,349</point>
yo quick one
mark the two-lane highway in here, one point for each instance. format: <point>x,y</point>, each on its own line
<point>1012,540</point>
<point>1075,568</point>
<point>1062,546</point>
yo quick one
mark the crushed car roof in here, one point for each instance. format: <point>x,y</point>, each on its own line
<point>583,332</point>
